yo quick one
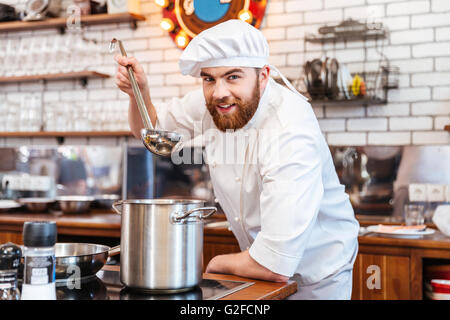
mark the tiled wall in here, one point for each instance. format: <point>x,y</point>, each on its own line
<point>419,44</point>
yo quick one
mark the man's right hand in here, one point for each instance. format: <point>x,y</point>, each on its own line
<point>122,79</point>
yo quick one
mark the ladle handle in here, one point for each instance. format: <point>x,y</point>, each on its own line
<point>137,93</point>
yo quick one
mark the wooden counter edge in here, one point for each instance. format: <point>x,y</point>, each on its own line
<point>259,290</point>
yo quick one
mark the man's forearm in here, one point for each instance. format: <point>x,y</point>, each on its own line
<point>134,117</point>
<point>242,264</point>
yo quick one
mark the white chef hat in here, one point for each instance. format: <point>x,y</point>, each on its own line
<point>233,43</point>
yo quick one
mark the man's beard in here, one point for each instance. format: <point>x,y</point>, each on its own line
<point>242,114</point>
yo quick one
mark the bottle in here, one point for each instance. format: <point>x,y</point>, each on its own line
<point>39,240</point>
<point>10,255</point>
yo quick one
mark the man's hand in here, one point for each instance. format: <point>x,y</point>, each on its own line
<point>122,79</point>
<point>242,264</point>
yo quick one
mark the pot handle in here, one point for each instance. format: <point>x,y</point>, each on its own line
<point>116,204</point>
<point>114,251</point>
<point>212,210</point>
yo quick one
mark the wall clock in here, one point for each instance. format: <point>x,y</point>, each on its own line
<point>184,19</point>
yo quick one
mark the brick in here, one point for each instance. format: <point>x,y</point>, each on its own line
<point>367,124</point>
<point>391,52</point>
<point>161,43</point>
<point>344,112</point>
<point>441,93</point>
<point>409,94</point>
<point>275,33</point>
<point>410,123</point>
<point>296,59</point>
<point>149,55</point>
<point>163,67</point>
<point>40,141</point>
<point>172,54</point>
<point>430,79</point>
<point>431,49</point>
<point>350,55</point>
<point>414,65</point>
<point>342,3</point>
<point>302,5</point>
<point>178,78</point>
<point>430,137</point>
<point>73,95</point>
<point>441,122</point>
<point>396,23</point>
<point>274,7</point>
<point>165,92</point>
<point>443,34</point>
<point>440,5</point>
<point>430,20</point>
<point>391,109</point>
<point>408,8</point>
<point>324,16</point>
<point>285,19</point>
<point>389,138</point>
<point>285,46</point>
<point>430,108</point>
<point>278,60</point>
<point>347,139</point>
<point>332,125</point>
<point>412,36</point>
<point>364,13</point>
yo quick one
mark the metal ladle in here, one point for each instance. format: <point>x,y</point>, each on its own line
<point>162,143</point>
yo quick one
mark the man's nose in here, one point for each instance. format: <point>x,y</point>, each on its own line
<point>221,91</point>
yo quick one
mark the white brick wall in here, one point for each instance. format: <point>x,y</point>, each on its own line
<point>419,44</point>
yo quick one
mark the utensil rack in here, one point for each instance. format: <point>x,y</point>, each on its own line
<point>377,82</point>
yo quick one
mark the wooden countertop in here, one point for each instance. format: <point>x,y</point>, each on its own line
<point>260,290</point>
<point>102,223</point>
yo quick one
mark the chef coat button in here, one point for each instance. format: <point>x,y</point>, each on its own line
<point>216,200</point>
<point>247,248</point>
<point>237,179</point>
<point>236,219</point>
<point>214,164</point>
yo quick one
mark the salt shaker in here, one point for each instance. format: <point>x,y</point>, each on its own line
<point>39,261</point>
<point>10,255</point>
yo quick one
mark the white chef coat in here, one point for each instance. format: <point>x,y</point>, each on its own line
<point>277,183</point>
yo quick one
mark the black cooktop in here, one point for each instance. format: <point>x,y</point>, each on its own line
<point>106,285</point>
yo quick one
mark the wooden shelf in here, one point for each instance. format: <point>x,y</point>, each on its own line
<point>66,134</point>
<point>447,127</point>
<point>82,75</point>
<point>351,102</point>
<point>61,22</point>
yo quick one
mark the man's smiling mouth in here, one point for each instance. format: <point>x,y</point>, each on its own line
<point>226,107</point>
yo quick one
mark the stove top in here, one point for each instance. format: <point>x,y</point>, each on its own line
<point>106,285</point>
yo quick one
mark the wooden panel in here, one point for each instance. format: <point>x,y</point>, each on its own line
<point>61,22</point>
<point>11,237</point>
<point>381,277</point>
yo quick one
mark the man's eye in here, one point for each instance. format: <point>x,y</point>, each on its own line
<point>208,79</point>
<point>233,77</point>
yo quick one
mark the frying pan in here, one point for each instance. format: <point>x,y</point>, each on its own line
<point>88,257</point>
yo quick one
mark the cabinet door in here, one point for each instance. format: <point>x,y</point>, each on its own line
<point>381,277</point>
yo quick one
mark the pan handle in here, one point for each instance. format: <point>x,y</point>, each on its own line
<point>180,217</point>
<point>114,251</point>
<point>117,204</point>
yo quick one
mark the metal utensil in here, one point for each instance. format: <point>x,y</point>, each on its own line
<point>37,204</point>
<point>80,260</point>
<point>75,204</point>
<point>162,243</point>
<point>162,143</point>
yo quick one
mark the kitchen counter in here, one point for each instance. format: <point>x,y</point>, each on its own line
<point>98,223</point>
<point>106,286</point>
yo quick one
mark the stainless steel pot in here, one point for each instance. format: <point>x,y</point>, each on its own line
<point>161,243</point>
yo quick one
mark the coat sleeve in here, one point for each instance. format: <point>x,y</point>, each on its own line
<point>183,115</point>
<point>292,190</point>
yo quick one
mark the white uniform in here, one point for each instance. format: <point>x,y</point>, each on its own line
<point>278,187</point>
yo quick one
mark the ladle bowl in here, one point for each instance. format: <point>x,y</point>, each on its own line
<point>162,143</point>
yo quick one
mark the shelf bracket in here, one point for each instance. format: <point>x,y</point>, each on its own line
<point>84,82</point>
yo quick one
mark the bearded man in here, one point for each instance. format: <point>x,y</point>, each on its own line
<point>270,166</point>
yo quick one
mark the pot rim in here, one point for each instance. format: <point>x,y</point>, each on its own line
<point>162,201</point>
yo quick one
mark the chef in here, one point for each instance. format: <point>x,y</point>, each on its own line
<point>270,166</point>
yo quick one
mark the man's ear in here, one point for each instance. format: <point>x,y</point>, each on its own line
<point>264,75</point>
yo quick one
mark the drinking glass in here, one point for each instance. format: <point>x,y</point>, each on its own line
<point>414,214</point>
